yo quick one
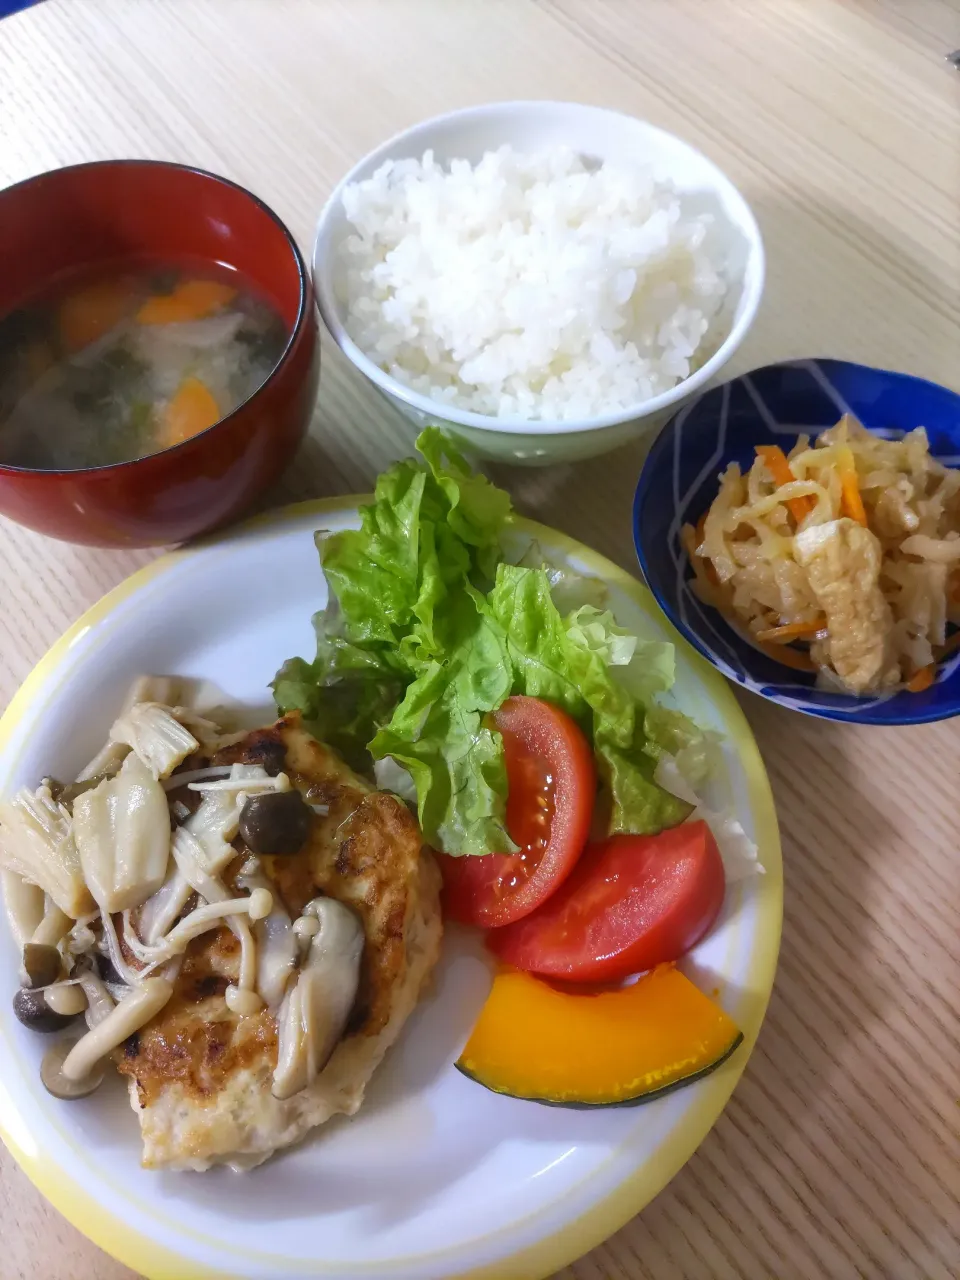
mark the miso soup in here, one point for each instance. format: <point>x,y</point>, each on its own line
<point>118,364</point>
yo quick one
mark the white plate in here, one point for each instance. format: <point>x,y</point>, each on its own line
<point>435,1176</point>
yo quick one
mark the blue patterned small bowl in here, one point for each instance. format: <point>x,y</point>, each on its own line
<point>772,406</point>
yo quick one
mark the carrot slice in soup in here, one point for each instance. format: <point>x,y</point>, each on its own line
<point>191,411</point>
<point>90,313</point>
<point>190,300</point>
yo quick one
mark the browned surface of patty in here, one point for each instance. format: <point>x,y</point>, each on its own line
<point>196,1039</point>
<point>365,852</point>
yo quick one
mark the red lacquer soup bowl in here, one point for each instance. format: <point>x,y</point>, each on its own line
<point>105,213</point>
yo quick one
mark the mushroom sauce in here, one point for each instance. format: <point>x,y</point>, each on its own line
<point>122,886</point>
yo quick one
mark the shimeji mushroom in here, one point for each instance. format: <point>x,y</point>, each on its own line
<point>276,822</point>
<point>315,1010</point>
<point>41,964</point>
<point>31,1008</point>
<point>214,825</point>
<point>77,1071</point>
<point>66,998</point>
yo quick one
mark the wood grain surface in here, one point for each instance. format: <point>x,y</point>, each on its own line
<point>839,1156</point>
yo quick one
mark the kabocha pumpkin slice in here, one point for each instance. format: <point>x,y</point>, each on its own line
<point>608,1048</point>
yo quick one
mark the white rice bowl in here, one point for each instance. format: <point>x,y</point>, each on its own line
<point>532,286</point>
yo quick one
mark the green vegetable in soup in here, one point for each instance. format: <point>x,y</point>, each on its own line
<point>164,280</point>
<point>97,387</point>
<point>264,337</point>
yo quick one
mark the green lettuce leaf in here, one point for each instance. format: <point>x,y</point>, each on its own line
<point>427,632</point>
<point>396,585</point>
<point>474,511</point>
<point>645,668</point>
<point>567,662</point>
<point>339,708</point>
<point>570,588</point>
<point>438,734</point>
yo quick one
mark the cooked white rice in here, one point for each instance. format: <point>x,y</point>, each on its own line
<point>533,286</point>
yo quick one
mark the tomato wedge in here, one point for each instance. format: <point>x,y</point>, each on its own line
<point>552,783</point>
<point>632,903</point>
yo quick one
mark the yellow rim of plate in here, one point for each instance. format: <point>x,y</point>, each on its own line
<point>588,1229</point>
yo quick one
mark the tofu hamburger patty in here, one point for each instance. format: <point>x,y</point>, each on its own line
<point>200,1075</point>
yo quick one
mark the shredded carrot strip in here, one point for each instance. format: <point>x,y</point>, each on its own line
<point>779,468</point>
<point>703,570</point>
<point>851,504</point>
<point>792,631</point>
<point>952,642</point>
<point>953,585</point>
<point>922,679</point>
<point>783,654</point>
<point>788,657</point>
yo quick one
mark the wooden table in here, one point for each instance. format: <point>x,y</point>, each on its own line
<point>839,1155</point>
